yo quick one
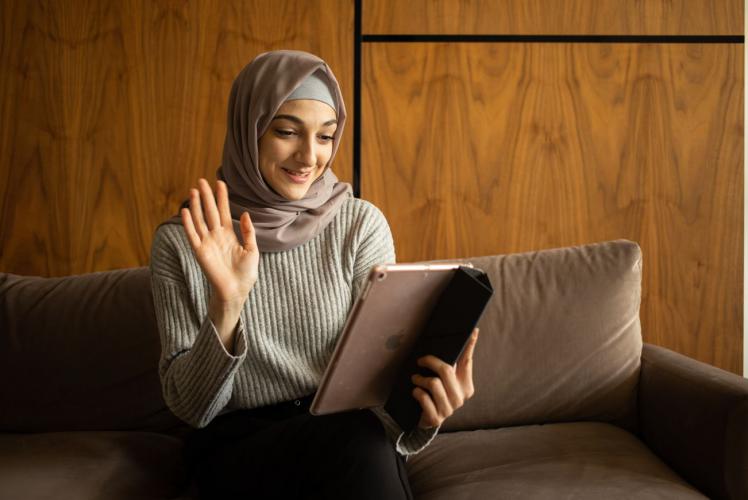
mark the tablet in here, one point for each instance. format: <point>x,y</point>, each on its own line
<point>381,329</point>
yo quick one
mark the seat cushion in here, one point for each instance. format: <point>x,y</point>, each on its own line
<point>92,465</point>
<point>573,461</point>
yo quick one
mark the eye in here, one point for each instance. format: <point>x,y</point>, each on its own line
<point>284,133</point>
<point>326,137</point>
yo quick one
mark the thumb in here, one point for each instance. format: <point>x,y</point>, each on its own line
<point>248,232</point>
<point>466,358</point>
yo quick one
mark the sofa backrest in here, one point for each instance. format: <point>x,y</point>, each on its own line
<point>80,353</point>
<point>560,339</point>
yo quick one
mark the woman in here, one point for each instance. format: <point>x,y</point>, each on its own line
<point>252,287</point>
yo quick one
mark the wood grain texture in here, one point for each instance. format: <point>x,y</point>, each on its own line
<point>549,17</point>
<point>111,110</point>
<point>481,149</point>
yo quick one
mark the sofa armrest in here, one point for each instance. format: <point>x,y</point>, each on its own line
<point>695,417</point>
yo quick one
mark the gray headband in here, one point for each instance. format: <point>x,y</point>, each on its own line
<point>314,87</point>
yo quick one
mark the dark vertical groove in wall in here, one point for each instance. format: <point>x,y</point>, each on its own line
<point>357,99</point>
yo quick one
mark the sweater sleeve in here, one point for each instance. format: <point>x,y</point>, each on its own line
<point>196,370</point>
<point>373,246</point>
<point>377,247</point>
<point>405,444</point>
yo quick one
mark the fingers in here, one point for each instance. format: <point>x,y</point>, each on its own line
<point>448,385</point>
<point>467,353</point>
<point>464,366</point>
<point>430,415</point>
<point>222,197</point>
<point>189,228</point>
<point>202,198</point>
<point>248,232</point>
<point>218,213</point>
<point>209,203</point>
<point>434,387</point>
<point>196,212</point>
<point>452,386</point>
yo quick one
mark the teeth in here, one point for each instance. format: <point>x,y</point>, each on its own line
<point>300,174</point>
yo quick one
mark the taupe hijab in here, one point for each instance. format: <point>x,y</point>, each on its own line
<point>257,93</point>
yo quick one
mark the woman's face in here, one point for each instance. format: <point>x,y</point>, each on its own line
<point>297,146</point>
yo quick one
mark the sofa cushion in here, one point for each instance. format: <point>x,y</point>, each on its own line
<point>575,461</point>
<point>92,465</point>
<point>80,353</point>
<point>560,339</point>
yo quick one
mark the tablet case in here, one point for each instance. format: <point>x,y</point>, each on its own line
<point>380,331</point>
<point>445,335</point>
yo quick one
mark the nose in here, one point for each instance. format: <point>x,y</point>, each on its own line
<point>306,154</point>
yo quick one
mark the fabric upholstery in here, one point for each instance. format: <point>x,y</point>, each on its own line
<point>80,353</point>
<point>575,460</point>
<point>560,342</point>
<point>695,416</point>
<point>91,466</point>
<point>560,339</point>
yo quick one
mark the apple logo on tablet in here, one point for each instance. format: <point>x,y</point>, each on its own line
<point>395,341</point>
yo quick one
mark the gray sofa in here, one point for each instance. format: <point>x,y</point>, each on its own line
<point>569,403</point>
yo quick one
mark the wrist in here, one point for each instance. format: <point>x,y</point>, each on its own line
<point>225,307</point>
<point>225,317</point>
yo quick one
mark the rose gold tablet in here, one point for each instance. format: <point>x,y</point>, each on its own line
<point>378,335</point>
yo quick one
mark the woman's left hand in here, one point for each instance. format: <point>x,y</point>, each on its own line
<point>440,396</point>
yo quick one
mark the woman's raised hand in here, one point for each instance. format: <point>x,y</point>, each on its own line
<point>230,266</point>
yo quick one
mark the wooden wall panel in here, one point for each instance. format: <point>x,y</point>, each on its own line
<point>110,111</point>
<point>549,17</point>
<point>479,149</point>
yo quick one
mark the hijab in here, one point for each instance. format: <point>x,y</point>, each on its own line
<point>256,94</point>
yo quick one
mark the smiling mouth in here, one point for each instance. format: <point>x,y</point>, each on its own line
<point>297,176</point>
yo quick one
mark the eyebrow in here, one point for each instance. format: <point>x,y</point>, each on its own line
<point>298,120</point>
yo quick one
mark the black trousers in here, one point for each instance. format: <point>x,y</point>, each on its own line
<point>282,451</point>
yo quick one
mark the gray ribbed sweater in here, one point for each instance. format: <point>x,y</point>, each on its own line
<point>287,329</point>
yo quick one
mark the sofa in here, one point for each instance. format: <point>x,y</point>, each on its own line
<point>569,403</point>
